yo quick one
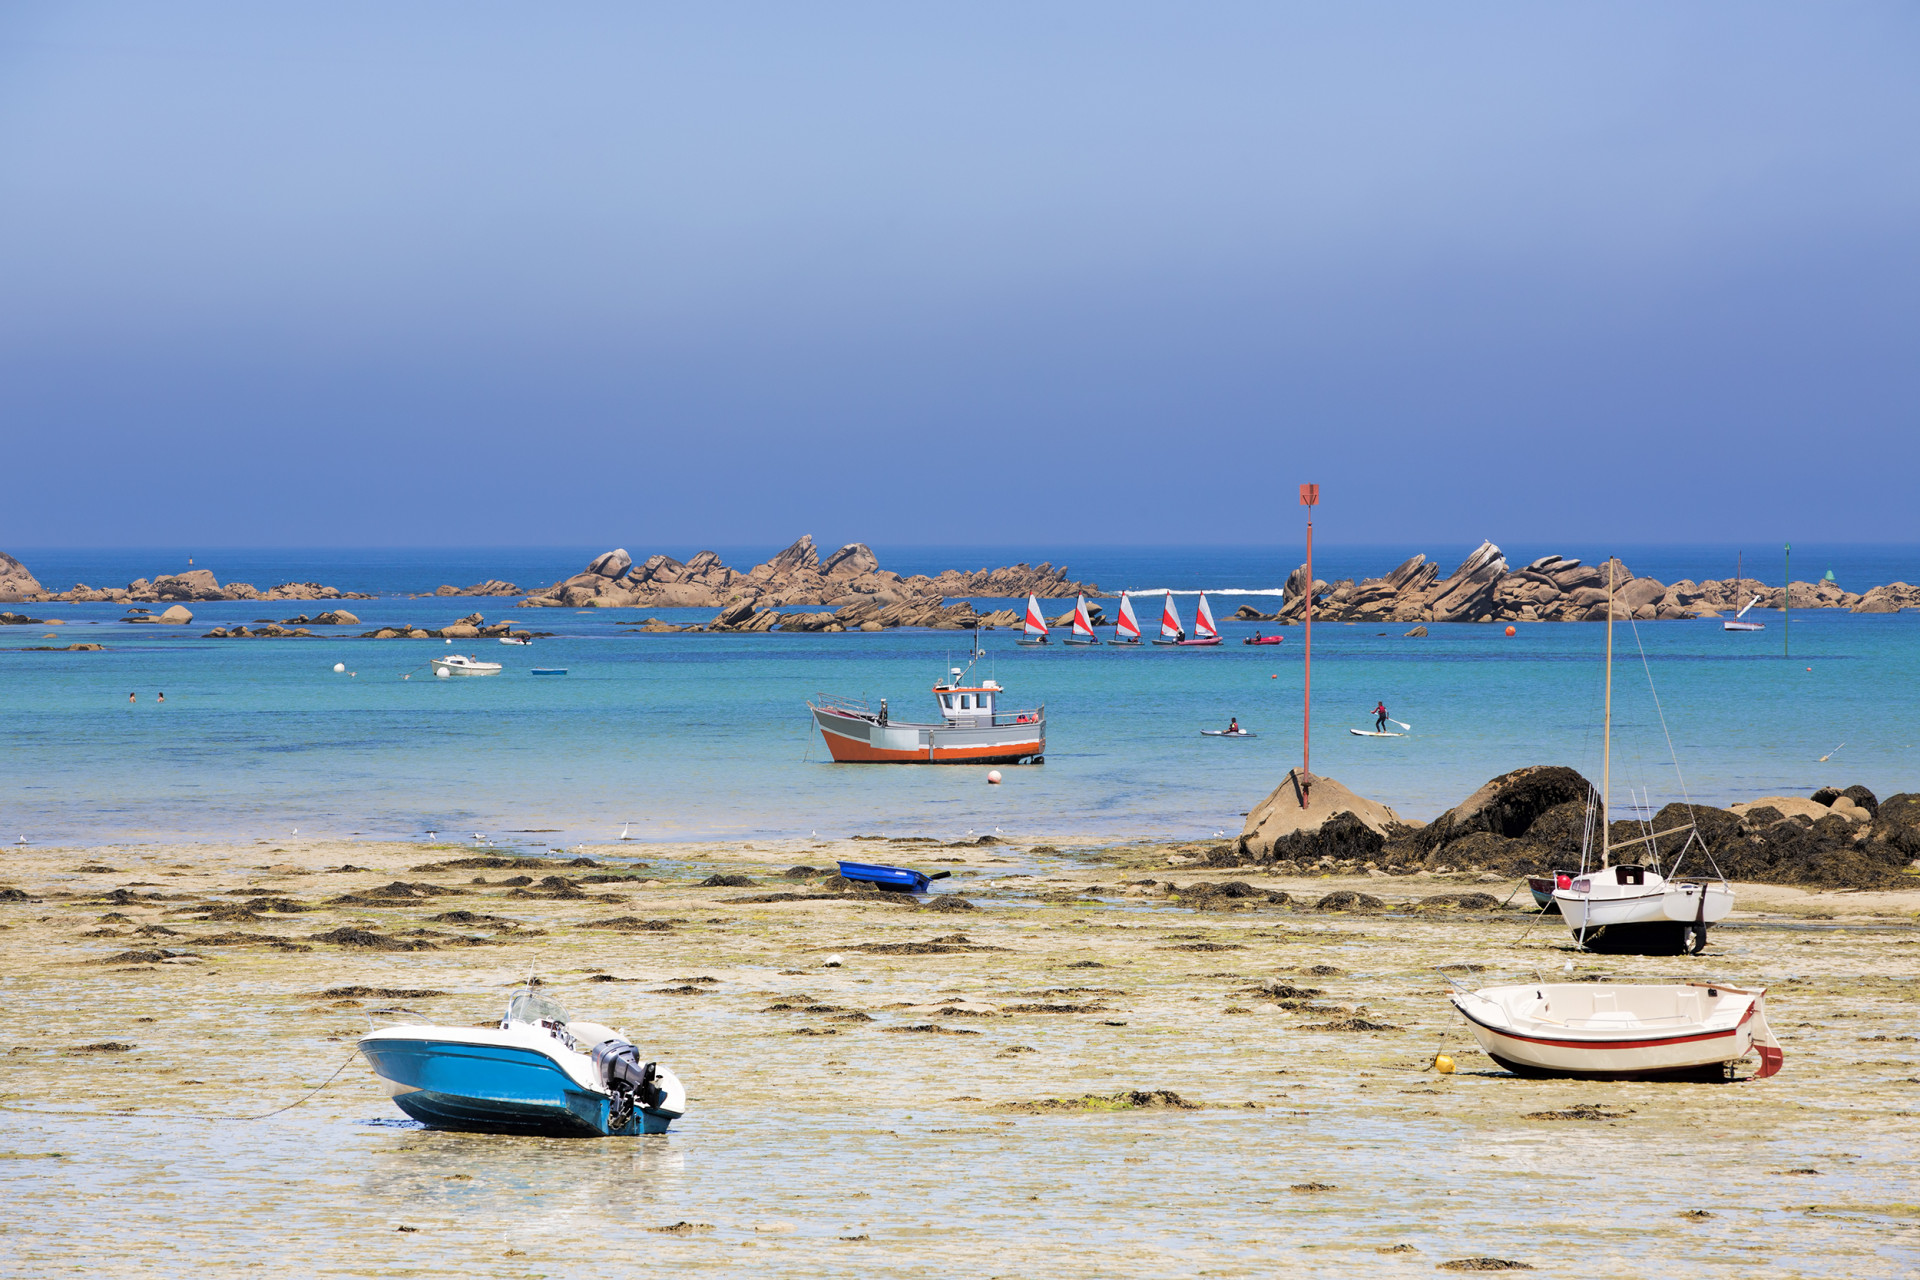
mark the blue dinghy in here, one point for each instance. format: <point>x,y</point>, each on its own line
<point>538,1072</point>
<point>892,879</point>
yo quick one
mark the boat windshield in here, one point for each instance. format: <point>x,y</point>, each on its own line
<point>532,1007</point>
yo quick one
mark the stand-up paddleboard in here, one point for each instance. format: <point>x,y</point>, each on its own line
<point>1226,733</point>
<point>1375,733</point>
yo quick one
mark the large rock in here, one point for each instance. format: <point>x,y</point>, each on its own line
<point>176,616</point>
<point>1506,806</point>
<point>1280,817</point>
<point>612,564</point>
<point>851,561</point>
<point>1468,594</point>
<point>15,582</point>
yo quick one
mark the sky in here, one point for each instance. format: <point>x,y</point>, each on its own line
<point>630,274</point>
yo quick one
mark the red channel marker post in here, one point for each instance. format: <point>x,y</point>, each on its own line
<point>1309,498</point>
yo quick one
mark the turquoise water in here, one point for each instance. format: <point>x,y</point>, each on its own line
<point>685,736</point>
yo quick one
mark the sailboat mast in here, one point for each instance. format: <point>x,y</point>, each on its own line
<point>1606,734</point>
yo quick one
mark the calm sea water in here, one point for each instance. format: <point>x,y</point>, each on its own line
<point>684,736</point>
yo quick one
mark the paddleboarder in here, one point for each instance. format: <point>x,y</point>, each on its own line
<point>1380,718</point>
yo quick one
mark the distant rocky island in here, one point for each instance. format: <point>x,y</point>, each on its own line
<point>799,590</point>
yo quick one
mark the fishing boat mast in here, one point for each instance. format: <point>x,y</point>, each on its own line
<point>1309,498</point>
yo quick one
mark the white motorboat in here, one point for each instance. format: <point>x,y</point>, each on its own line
<point>1633,908</point>
<point>1607,1031</point>
<point>514,640</point>
<point>459,664</point>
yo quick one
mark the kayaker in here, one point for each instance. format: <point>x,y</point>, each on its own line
<point>1234,727</point>
<point>1380,717</point>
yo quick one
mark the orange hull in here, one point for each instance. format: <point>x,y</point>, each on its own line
<point>847,751</point>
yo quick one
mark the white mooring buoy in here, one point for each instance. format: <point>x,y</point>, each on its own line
<point>338,667</point>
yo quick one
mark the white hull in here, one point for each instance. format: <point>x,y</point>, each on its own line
<point>459,665</point>
<point>1635,1031</point>
<point>1743,626</point>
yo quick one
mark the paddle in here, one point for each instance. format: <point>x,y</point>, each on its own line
<point>1403,724</point>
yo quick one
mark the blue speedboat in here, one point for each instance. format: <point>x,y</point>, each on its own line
<point>538,1072</point>
<point>893,879</point>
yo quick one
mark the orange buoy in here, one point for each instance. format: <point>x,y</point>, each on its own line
<point>1511,631</point>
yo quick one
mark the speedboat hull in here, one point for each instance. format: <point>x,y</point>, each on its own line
<point>459,665</point>
<point>1263,640</point>
<point>504,1080</point>
<point>1598,1031</point>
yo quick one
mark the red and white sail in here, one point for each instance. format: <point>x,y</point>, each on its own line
<point>1036,625</point>
<point>1170,627</point>
<point>1082,623</point>
<point>1129,626</point>
<point>1203,628</point>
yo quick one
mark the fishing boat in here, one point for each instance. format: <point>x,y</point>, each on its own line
<point>1204,630</point>
<point>537,1072</point>
<point>1738,622</point>
<point>972,728</point>
<point>892,879</point>
<point>1035,629</point>
<point>1619,1031</point>
<point>1127,629</point>
<point>1082,624</point>
<point>459,664</point>
<point>1171,632</point>
<point>1632,908</point>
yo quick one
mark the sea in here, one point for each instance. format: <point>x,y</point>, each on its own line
<point>707,736</point>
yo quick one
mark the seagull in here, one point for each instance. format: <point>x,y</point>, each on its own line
<point>432,834</point>
<point>296,831</point>
<point>21,840</point>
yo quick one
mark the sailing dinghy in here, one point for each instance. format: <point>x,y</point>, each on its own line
<point>1127,630</point>
<point>1082,624</point>
<point>1738,622</point>
<point>1204,631</point>
<point>1036,626</point>
<point>1171,632</point>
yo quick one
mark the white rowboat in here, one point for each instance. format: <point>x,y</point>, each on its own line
<point>1600,1031</point>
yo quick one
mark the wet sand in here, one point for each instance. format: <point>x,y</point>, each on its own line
<point>971,1092</point>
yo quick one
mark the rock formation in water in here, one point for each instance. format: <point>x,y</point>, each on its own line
<point>193,585</point>
<point>1484,588</point>
<point>849,579</point>
<point>15,582</point>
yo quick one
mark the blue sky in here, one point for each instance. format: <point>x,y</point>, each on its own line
<point>583,274</point>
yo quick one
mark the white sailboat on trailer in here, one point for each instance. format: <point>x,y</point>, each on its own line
<point>1204,630</point>
<point>1631,908</point>
<point>1171,632</point>
<point>1127,630</point>
<point>1036,626</point>
<point>1082,624</point>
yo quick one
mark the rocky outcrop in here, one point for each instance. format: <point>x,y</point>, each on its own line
<point>471,627</point>
<point>195,585</point>
<point>849,578</point>
<point>1484,588</point>
<point>175,616</point>
<point>1507,806</point>
<point>491,587</point>
<point>15,582</point>
<point>1334,822</point>
<point>18,620</point>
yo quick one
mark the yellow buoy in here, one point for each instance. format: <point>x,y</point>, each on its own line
<point>1443,1064</point>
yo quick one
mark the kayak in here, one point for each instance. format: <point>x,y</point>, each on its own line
<point>1226,733</point>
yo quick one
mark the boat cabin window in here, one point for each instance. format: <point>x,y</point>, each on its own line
<point>532,1007</point>
<point>947,702</point>
<point>1632,875</point>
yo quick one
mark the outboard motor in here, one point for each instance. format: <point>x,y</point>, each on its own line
<point>626,1079</point>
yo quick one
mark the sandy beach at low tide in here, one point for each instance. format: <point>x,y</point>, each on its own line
<point>920,1109</point>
